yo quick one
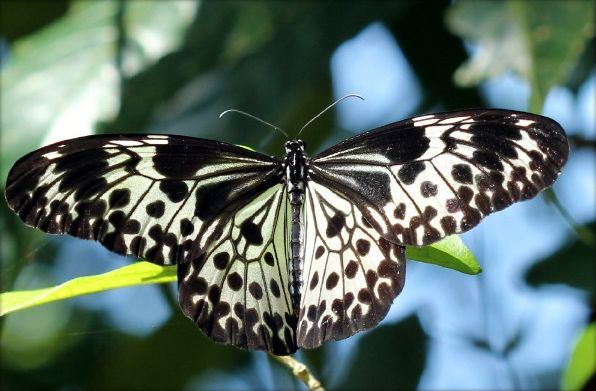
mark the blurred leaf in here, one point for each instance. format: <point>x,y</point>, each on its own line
<point>58,82</point>
<point>540,40</point>
<point>391,358</point>
<point>139,273</point>
<point>573,264</point>
<point>556,34</point>
<point>165,360</point>
<point>581,368</point>
<point>497,35</point>
<point>450,252</point>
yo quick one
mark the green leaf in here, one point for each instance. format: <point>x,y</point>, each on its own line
<point>450,252</point>
<point>139,273</point>
<point>59,82</point>
<point>539,40</point>
<point>582,364</point>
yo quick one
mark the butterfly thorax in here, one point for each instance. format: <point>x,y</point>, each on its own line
<point>296,168</point>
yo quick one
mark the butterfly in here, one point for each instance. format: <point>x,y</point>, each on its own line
<point>281,254</point>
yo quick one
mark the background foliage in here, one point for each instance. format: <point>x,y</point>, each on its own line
<point>78,67</point>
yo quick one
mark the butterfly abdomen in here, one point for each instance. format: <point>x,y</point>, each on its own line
<point>296,172</point>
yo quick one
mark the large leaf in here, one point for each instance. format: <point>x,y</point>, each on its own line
<point>139,273</point>
<point>450,253</point>
<point>581,368</point>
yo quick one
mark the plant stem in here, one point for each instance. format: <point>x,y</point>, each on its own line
<point>300,371</point>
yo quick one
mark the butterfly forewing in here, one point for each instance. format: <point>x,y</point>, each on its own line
<point>148,196</point>
<point>351,273</point>
<point>440,174</point>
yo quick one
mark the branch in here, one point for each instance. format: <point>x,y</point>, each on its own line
<point>300,371</point>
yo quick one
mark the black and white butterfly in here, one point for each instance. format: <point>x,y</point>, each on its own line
<point>279,254</point>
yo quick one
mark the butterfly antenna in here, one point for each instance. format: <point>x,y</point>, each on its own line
<point>255,118</point>
<point>327,108</point>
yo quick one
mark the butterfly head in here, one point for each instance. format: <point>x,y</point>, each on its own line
<point>294,146</point>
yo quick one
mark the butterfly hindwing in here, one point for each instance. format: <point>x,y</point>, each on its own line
<point>351,273</point>
<point>440,174</point>
<point>236,291</point>
<point>141,195</point>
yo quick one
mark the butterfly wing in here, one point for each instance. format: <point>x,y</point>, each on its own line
<point>421,179</point>
<point>351,272</point>
<point>409,183</point>
<point>237,290</point>
<point>215,209</point>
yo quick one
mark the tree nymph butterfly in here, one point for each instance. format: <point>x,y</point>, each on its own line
<point>279,254</point>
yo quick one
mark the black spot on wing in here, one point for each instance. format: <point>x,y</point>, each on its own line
<point>269,260</point>
<point>179,161</point>
<point>176,191</point>
<point>409,171</point>
<point>362,246</point>
<point>211,199</point>
<point>400,146</point>
<point>406,145</point>
<point>488,159</point>
<point>235,281</point>
<point>80,165</point>
<point>255,290</point>
<point>332,281</point>
<point>186,227</point>
<point>462,173</point>
<point>156,209</point>
<point>220,260</point>
<point>400,211</point>
<point>498,129</point>
<point>119,198</point>
<point>351,269</point>
<point>274,287</point>
<point>495,143</point>
<point>335,225</point>
<point>428,189</point>
<point>251,232</point>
